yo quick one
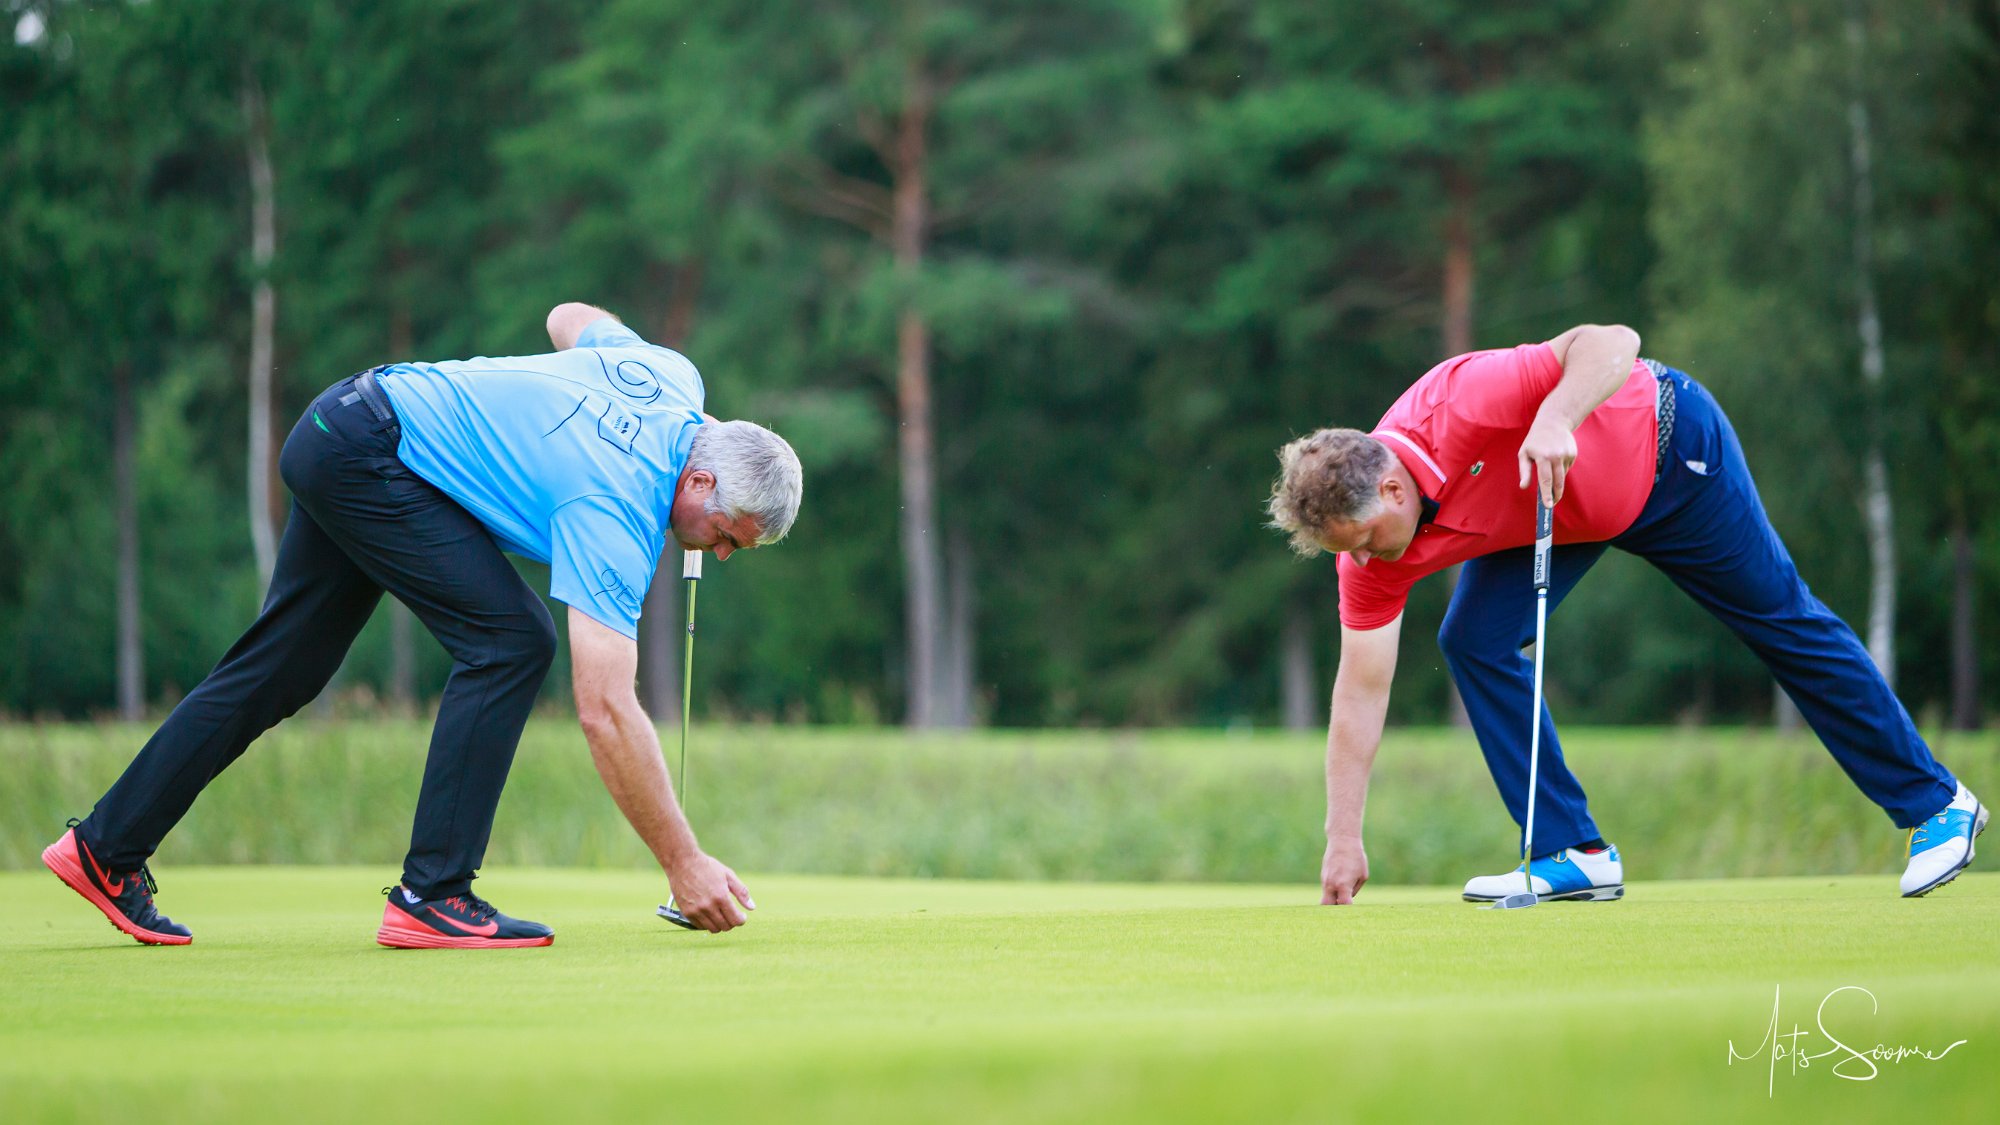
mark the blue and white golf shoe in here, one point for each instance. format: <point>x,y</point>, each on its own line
<point>1571,875</point>
<point>1941,847</point>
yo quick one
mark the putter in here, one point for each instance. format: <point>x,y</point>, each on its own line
<point>1544,540</point>
<point>691,572</point>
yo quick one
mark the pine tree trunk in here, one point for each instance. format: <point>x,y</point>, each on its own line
<point>959,671</point>
<point>663,620</point>
<point>916,456</point>
<point>683,299</point>
<point>1459,277</point>
<point>1965,711</point>
<point>1876,506</point>
<point>662,625</point>
<point>1459,264</point>
<point>125,484</point>
<point>263,317</point>
<point>402,634</point>
<point>1298,690</point>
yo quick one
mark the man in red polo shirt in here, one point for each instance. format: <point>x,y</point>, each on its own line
<point>1630,454</point>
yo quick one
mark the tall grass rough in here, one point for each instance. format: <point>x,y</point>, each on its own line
<point>1101,806</point>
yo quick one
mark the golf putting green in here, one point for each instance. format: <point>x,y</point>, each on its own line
<point>870,1000</point>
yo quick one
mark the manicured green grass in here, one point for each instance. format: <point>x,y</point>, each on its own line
<point>874,1000</point>
<point>1098,805</point>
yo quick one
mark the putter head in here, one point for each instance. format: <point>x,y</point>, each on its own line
<point>1512,902</point>
<point>668,912</point>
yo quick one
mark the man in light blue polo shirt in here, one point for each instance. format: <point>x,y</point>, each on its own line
<point>569,459</point>
<point>414,478</point>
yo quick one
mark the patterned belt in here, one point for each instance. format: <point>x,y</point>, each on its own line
<point>1664,405</point>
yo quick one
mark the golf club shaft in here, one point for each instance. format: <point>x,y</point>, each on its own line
<point>1544,544</point>
<point>691,572</point>
<point>1534,738</point>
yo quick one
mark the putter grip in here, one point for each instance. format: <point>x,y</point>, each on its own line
<point>1545,534</point>
<point>690,565</point>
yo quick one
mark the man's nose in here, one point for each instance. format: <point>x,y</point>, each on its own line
<point>722,551</point>
<point>1360,557</point>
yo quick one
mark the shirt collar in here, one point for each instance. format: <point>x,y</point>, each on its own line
<point>666,484</point>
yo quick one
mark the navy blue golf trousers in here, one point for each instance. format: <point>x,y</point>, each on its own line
<point>1705,528</point>
<point>360,523</point>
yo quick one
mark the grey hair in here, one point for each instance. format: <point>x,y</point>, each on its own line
<point>1327,477</point>
<point>755,472</point>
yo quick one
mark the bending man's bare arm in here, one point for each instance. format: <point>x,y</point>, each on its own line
<point>1596,360</point>
<point>626,750</point>
<point>568,320</point>
<point>1354,734</point>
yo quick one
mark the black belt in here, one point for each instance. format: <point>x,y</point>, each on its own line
<point>367,390</point>
<point>1663,376</point>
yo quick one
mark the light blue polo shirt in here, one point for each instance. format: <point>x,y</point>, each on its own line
<point>569,458</point>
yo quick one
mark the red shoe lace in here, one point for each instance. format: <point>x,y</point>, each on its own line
<point>478,907</point>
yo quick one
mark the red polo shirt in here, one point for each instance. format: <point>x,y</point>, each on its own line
<point>1458,430</point>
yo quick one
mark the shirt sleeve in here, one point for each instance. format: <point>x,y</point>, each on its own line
<point>1371,596</point>
<point>601,559</point>
<point>1456,410</point>
<point>609,332</point>
<point>1502,389</point>
<point>641,372</point>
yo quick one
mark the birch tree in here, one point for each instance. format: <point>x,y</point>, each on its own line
<point>1878,509</point>
<point>263,458</point>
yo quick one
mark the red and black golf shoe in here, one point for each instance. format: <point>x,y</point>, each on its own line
<point>456,922</point>
<point>125,897</point>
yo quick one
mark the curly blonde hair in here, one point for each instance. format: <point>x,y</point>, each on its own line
<point>1326,477</point>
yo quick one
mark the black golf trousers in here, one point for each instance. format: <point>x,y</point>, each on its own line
<point>360,523</point>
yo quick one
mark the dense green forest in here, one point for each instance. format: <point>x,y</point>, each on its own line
<point>1034,288</point>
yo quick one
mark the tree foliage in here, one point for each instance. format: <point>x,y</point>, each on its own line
<point>1159,238</point>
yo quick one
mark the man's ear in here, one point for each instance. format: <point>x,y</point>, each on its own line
<point>1391,490</point>
<point>701,480</point>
